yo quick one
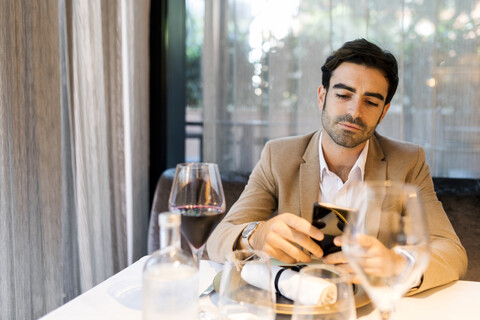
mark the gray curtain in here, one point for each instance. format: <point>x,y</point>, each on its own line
<point>73,147</point>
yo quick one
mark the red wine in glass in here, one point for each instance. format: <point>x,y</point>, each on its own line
<point>197,194</point>
<point>198,222</point>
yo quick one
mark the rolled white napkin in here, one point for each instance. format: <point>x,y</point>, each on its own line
<point>314,291</point>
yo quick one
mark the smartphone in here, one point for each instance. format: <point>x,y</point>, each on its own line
<point>331,220</point>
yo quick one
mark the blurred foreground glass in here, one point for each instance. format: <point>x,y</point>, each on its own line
<point>197,194</point>
<point>340,305</point>
<point>240,300</point>
<point>170,276</point>
<point>387,241</point>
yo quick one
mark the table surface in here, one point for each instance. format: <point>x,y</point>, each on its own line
<point>119,297</point>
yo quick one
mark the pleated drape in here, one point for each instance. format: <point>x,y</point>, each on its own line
<point>73,148</point>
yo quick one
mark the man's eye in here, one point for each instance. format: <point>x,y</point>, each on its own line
<point>342,96</point>
<point>373,104</point>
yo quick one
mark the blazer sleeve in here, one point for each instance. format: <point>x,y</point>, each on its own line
<point>256,203</point>
<point>448,261</point>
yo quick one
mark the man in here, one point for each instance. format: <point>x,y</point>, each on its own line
<point>274,212</point>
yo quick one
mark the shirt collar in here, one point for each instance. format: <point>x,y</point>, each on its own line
<point>358,166</point>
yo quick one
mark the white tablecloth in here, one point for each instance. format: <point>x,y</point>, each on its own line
<point>458,300</point>
<point>119,297</point>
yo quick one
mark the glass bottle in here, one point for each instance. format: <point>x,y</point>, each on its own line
<point>170,276</point>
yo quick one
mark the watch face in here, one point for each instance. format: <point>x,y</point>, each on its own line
<point>248,230</point>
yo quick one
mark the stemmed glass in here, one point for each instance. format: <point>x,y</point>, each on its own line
<point>337,300</point>
<point>386,241</point>
<point>197,194</point>
<point>246,287</point>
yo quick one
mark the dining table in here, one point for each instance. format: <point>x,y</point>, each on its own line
<point>120,297</point>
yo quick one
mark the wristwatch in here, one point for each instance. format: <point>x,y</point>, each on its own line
<point>247,233</point>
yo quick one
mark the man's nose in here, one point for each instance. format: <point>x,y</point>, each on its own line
<point>355,108</point>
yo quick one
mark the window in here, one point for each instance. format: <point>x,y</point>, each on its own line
<point>261,63</point>
<point>194,118</point>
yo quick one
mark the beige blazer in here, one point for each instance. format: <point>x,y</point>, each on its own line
<point>287,179</point>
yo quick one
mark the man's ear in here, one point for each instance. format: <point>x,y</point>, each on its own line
<point>384,112</point>
<point>321,94</point>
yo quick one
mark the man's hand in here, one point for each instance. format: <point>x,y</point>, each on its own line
<point>340,261</point>
<point>377,260</point>
<point>278,236</point>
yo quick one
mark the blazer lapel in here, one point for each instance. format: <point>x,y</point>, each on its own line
<point>309,178</point>
<point>375,166</point>
<point>375,170</point>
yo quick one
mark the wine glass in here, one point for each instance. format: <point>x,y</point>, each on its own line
<point>324,293</point>
<point>197,194</point>
<point>386,241</point>
<point>246,288</point>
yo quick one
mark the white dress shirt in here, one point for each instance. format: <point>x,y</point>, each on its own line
<point>332,188</point>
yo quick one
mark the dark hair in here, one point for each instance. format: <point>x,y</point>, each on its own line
<point>361,51</point>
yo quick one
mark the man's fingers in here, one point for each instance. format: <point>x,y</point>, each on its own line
<point>366,241</point>
<point>356,279</point>
<point>302,240</point>
<point>312,247</point>
<point>302,225</point>
<point>335,258</point>
<point>277,241</point>
<point>279,254</point>
<point>281,235</point>
<point>338,241</point>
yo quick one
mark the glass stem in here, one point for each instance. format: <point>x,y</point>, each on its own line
<point>197,254</point>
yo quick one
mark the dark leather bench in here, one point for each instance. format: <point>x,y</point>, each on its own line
<point>460,198</point>
<point>461,201</point>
